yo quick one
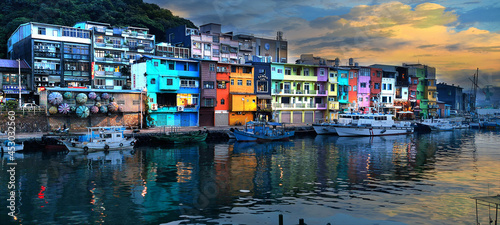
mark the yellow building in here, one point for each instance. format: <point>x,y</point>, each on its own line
<point>242,95</point>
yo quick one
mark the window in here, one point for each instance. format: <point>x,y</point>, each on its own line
<point>186,67</point>
<point>306,72</point>
<point>249,83</point>
<point>156,64</point>
<point>262,71</point>
<point>171,66</point>
<point>378,73</point>
<point>212,67</point>
<point>222,101</point>
<point>355,88</point>
<point>360,99</point>
<point>384,86</point>
<point>188,83</point>
<point>240,82</point>
<point>262,86</point>
<point>215,39</point>
<point>280,71</point>
<point>233,69</point>
<point>273,69</point>
<point>332,87</point>
<point>352,75</point>
<point>412,93</point>
<point>415,81</point>
<point>343,75</point>
<point>362,85</point>
<point>41,31</point>
<point>153,81</point>
<point>221,84</point>
<point>208,84</point>
<point>170,81</point>
<point>288,71</point>
<point>390,99</point>
<point>389,87</point>
<point>119,82</point>
<point>100,82</point>
<point>332,75</point>
<point>377,85</point>
<point>322,72</point>
<point>384,98</point>
<point>232,81</point>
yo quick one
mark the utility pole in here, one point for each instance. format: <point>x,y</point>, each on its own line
<point>19,78</point>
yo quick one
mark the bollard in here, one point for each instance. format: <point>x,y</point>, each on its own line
<point>301,222</point>
<point>280,219</point>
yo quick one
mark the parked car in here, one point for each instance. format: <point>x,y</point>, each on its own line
<point>29,106</point>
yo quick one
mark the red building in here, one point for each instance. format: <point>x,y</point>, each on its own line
<point>222,105</point>
<point>375,85</point>
<point>353,85</point>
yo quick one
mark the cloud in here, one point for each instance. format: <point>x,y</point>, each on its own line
<point>450,39</point>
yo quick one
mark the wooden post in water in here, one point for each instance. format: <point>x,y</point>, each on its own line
<point>280,218</point>
<point>301,221</point>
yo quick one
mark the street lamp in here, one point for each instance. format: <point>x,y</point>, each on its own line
<point>19,78</point>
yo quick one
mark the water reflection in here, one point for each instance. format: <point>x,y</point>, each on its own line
<point>393,178</point>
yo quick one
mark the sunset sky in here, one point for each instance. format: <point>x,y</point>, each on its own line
<point>455,36</point>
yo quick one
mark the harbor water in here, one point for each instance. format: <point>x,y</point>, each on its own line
<point>404,179</point>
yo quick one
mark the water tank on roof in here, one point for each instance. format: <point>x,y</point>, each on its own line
<point>351,61</point>
<point>337,61</point>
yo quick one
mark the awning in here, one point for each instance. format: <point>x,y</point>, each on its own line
<point>264,97</point>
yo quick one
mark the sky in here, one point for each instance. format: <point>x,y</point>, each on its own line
<point>455,36</point>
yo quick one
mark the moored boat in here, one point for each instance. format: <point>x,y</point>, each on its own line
<point>101,139</point>
<point>262,132</point>
<point>179,138</point>
<point>374,125</point>
<point>12,146</point>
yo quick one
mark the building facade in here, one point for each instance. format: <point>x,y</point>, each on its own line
<point>364,89</point>
<point>173,88</point>
<point>11,83</point>
<point>243,101</point>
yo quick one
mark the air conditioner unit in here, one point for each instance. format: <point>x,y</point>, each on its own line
<point>52,84</point>
<point>154,106</point>
<point>239,113</point>
<point>37,79</point>
<point>45,79</point>
<point>180,108</point>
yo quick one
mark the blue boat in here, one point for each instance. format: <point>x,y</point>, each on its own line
<point>263,132</point>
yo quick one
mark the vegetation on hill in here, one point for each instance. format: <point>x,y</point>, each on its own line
<point>67,12</point>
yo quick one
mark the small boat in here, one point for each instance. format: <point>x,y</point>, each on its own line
<point>100,139</point>
<point>180,138</point>
<point>438,124</point>
<point>11,146</point>
<point>263,131</point>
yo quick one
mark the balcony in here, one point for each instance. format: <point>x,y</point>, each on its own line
<point>47,54</point>
<point>190,108</point>
<point>46,72</point>
<point>299,106</point>
<point>265,107</point>
<point>296,92</point>
<point>333,105</point>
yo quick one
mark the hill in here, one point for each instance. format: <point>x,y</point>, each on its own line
<point>67,12</point>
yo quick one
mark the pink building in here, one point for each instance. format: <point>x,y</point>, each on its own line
<point>364,89</point>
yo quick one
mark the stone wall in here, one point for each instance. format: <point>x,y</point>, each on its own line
<point>75,123</point>
<point>25,123</point>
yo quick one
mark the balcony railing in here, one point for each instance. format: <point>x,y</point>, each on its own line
<point>296,92</point>
<point>321,106</point>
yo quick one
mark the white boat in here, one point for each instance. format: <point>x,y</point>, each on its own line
<point>329,128</point>
<point>374,125</point>
<point>6,146</point>
<point>101,139</point>
<point>438,124</point>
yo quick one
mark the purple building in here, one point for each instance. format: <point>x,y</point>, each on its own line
<point>364,88</point>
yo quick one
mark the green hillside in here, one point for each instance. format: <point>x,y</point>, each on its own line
<point>67,12</point>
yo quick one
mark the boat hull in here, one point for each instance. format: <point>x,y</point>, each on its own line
<point>181,138</point>
<point>323,129</point>
<point>250,137</point>
<point>99,146</point>
<point>352,131</point>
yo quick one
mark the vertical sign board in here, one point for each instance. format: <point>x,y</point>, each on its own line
<point>92,66</point>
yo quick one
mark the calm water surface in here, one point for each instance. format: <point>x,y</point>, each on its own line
<point>414,179</point>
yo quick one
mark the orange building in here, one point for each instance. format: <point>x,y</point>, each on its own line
<point>223,105</point>
<point>241,91</point>
<point>353,85</point>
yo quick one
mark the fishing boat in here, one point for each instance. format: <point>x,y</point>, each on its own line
<point>344,120</point>
<point>262,132</point>
<point>99,139</point>
<point>374,125</point>
<point>438,124</point>
<point>12,146</point>
<point>182,138</point>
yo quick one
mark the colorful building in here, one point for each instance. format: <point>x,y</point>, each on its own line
<point>243,101</point>
<point>375,86</point>
<point>173,89</point>
<point>298,97</point>
<point>262,80</point>
<point>333,106</point>
<point>208,92</point>
<point>343,88</point>
<point>353,87</point>
<point>222,105</point>
<point>364,89</point>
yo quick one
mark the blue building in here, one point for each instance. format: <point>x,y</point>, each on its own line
<point>262,81</point>
<point>172,86</point>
